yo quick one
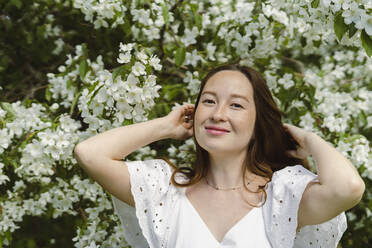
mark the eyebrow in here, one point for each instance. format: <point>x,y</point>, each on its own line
<point>232,95</point>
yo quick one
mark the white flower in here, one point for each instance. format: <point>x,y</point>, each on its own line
<point>126,47</point>
<point>192,58</point>
<point>366,23</point>
<point>142,56</point>
<point>124,58</point>
<point>54,106</point>
<point>279,16</point>
<point>47,138</point>
<point>151,33</point>
<point>5,139</point>
<point>100,22</point>
<point>59,46</point>
<point>102,95</point>
<point>190,36</point>
<point>131,82</point>
<point>369,121</point>
<point>3,178</point>
<point>210,51</point>
<point>141,15</point>
<point>343,147</point>
<point>138,113</point>
<point>138,69</point>
<point>360,151</point>
<point>244,11</point>
<point>307,122</point>
<point>352,14</point>
<point>2,113</point>
<point>335,124</point>
<point>286,81</point>
<point>155,63</point>
<point>122,104</point>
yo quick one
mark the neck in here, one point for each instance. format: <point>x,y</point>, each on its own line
<point>226,171</point>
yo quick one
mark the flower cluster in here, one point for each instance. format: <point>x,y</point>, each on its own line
<point>313,55</point>
<point>101,13</point>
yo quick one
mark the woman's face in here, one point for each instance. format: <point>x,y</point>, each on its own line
<point>226,102</point>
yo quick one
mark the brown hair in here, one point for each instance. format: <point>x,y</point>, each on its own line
<point>266,149</point>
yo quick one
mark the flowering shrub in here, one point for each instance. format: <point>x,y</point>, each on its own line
<point>106,64</point>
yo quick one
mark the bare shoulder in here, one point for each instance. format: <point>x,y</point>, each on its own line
<point>112,175</point>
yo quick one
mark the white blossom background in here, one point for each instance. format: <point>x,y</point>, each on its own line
<point>315,56</point>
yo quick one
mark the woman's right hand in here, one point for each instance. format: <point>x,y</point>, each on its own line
<point>180,122</point>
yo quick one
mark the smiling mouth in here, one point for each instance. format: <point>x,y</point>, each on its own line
<point>215,131</point>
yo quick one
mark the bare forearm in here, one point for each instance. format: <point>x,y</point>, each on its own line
<point>334,170</point>
<point>119,142</point>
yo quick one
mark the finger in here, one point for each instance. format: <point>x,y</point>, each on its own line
<point>190,132</point>
<point>302,153</point>
<point>188,124</point>
<point>286,126</point>
<point>188,105</point>
<point>292,153</point>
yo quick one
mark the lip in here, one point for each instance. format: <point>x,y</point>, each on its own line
<point>216,132</point>
<point>215,128</point>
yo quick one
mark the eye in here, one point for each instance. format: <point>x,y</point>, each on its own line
<point>208,101</point>
<point>237,105</point>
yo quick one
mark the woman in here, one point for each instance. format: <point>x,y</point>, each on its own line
<point>247,187</point>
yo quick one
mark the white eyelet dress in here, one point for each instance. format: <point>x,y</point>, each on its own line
<point>164,217</point>
<point>191,231</point>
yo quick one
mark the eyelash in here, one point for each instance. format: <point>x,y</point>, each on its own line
<point>240,106</point>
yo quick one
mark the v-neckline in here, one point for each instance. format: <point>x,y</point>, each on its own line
<point>206,226</point>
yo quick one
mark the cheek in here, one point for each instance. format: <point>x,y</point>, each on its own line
<point>247,122</point>
<point>198,116</point>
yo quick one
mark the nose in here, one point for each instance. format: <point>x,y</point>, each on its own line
<point>219,113</point>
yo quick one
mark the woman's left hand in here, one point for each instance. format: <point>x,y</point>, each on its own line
<point>300,135</point>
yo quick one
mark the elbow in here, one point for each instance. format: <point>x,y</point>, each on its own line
<point>357,189</point>
<point>354,194</point>
<point>79,154</point>
<point>351,194</point>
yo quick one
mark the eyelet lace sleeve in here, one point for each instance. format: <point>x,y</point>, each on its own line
<point>145,225</point>
<point>280,213</point>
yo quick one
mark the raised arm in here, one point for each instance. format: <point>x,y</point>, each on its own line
<point>340,186</point>
<point>100,156</point>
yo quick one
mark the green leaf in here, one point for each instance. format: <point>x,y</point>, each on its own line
<point>366,43</point>
<point>92,87</point>
<point>17,3</point>
<point>165,13</point>
<point>198,20</point>
<point>339,25</point>
<point>74,103</point>
<point>116,72</point>
<point>180,56</point>
<point>315,4</point>
<point>352,30</point>
<point>83,68</point>
<point>84,49</point>
<point>48,94</point>
<point>94,94</point>
<point>69,83</point>
<point>8,108</point>
<point>194,7</point>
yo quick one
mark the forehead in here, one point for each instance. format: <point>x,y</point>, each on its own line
<point>229,82</point>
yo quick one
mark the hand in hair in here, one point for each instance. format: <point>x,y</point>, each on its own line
<point>300,135</point>
<point>181,122</point>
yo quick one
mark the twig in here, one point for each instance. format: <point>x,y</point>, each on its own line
<point>298,63</point>
<point>33,90</point>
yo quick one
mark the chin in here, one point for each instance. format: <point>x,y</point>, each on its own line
<point>213,149</point>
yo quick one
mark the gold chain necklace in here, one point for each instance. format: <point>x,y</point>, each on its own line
<point>217,188</point>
